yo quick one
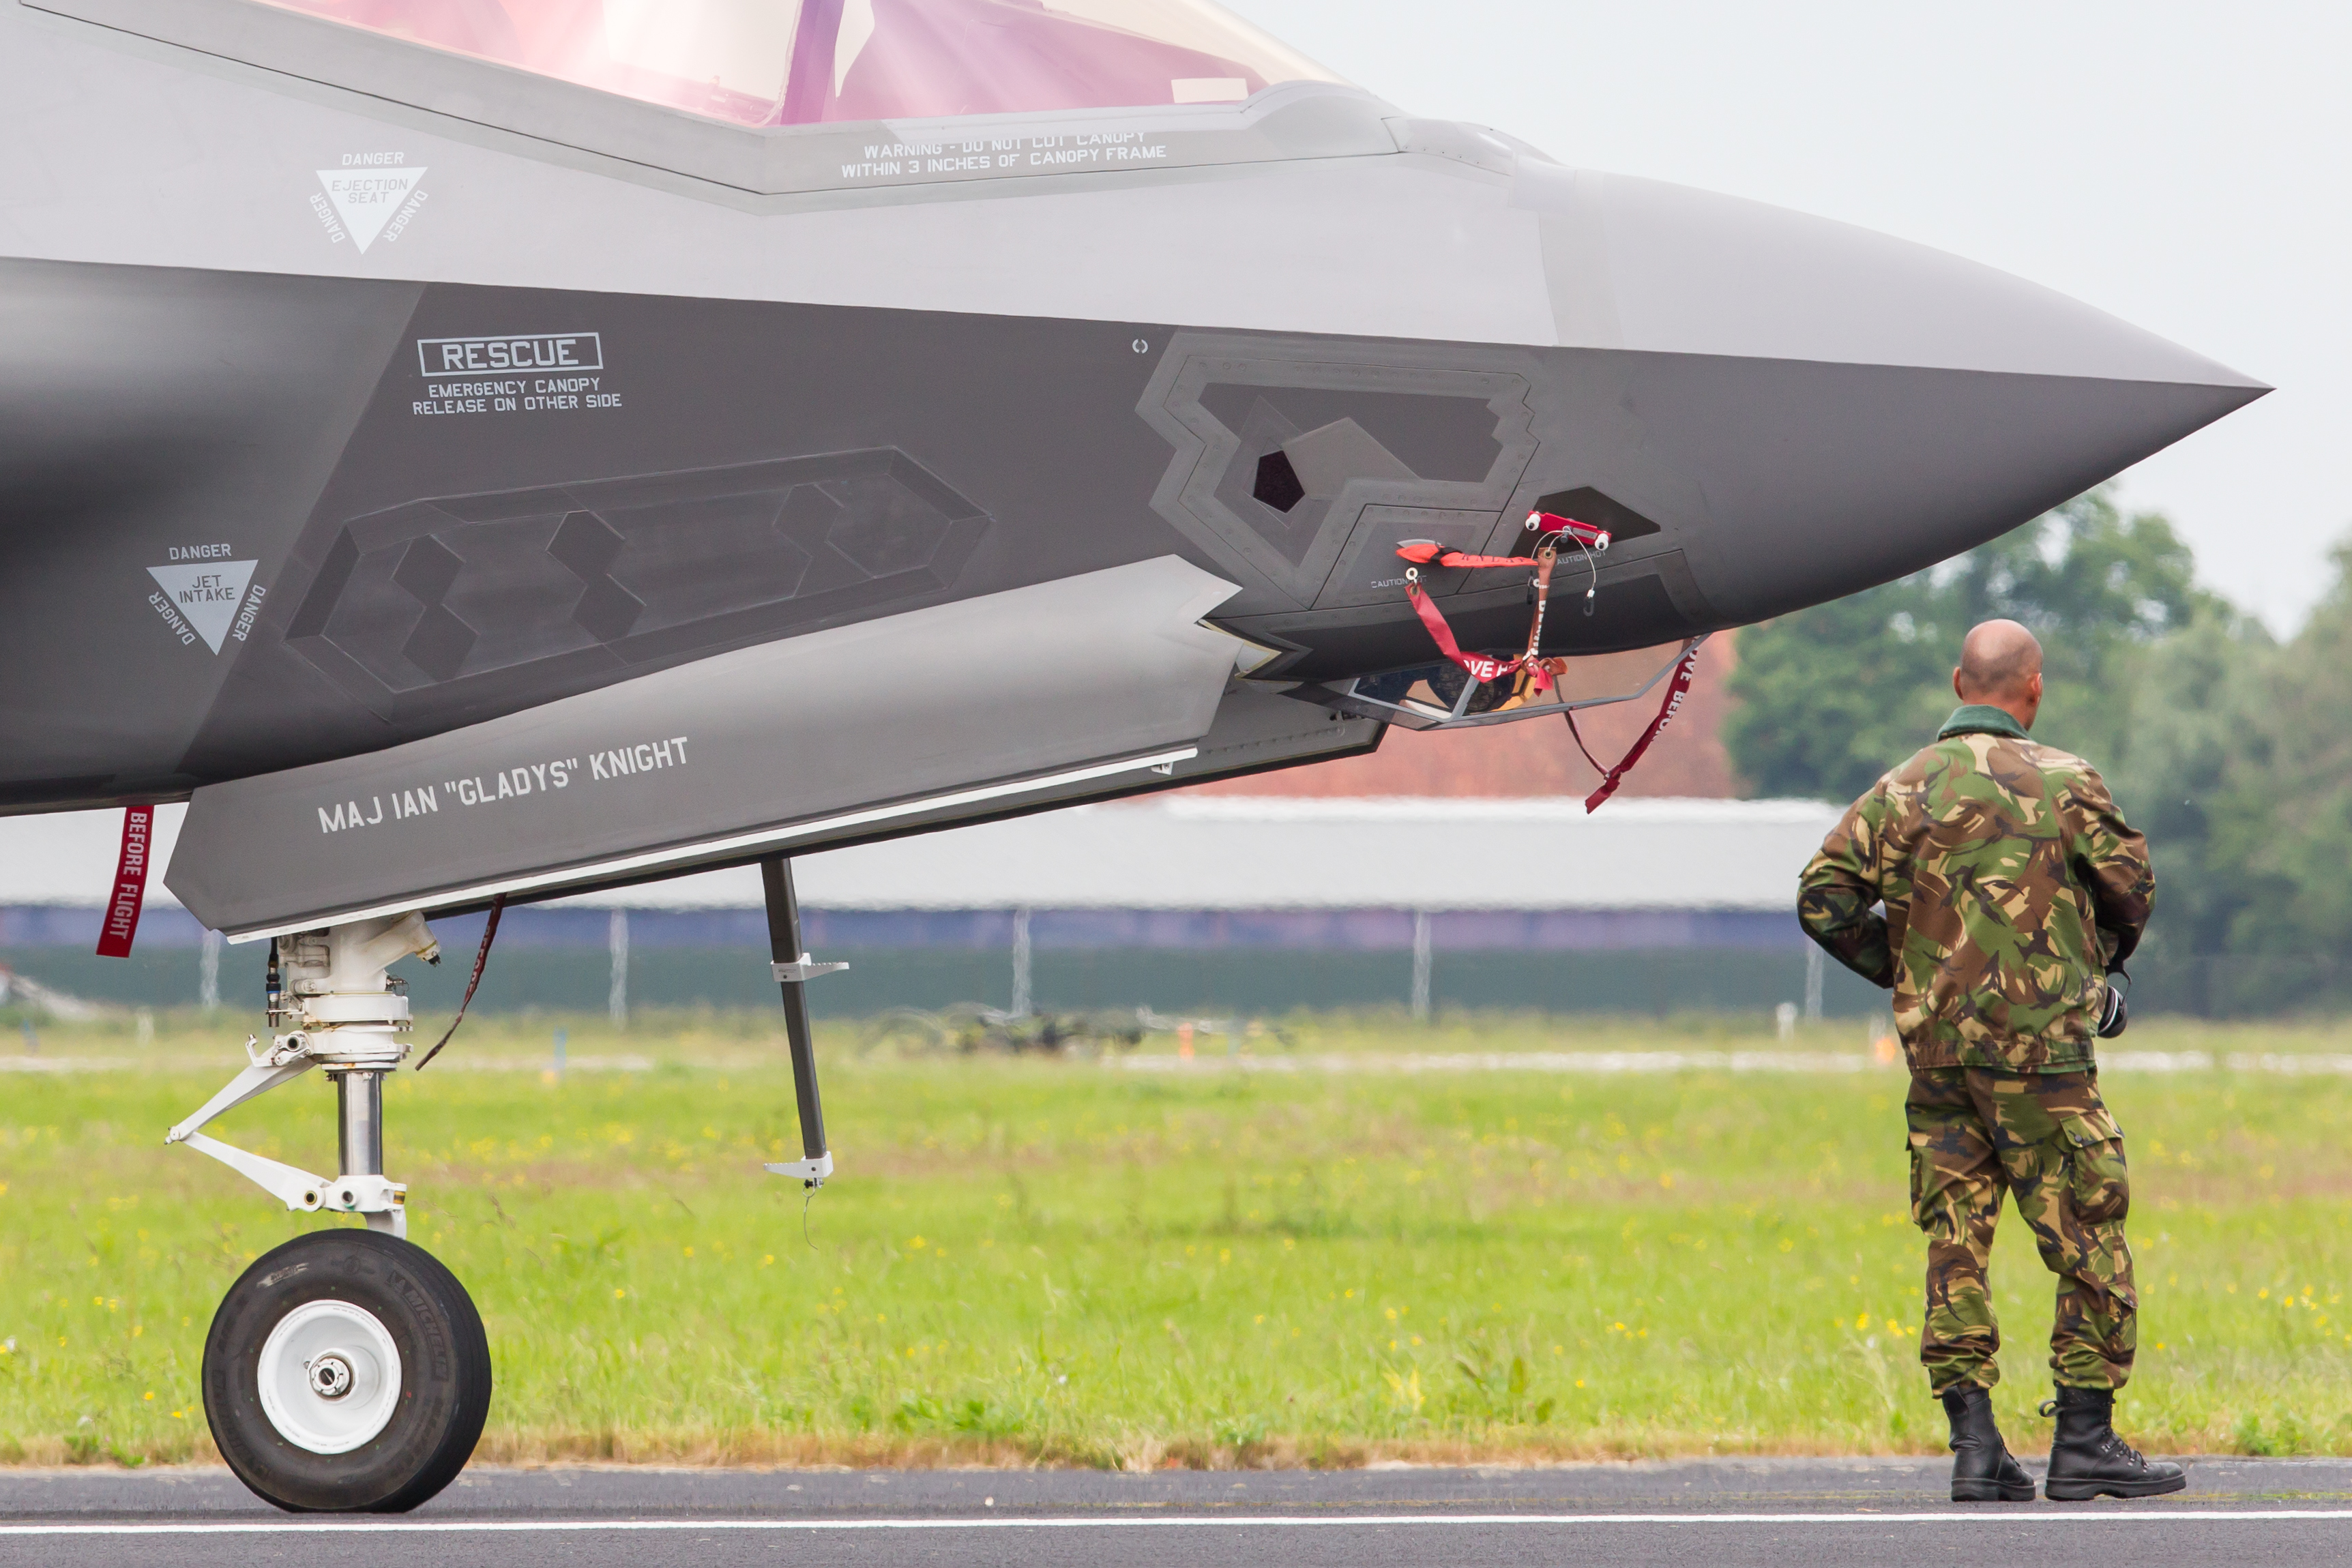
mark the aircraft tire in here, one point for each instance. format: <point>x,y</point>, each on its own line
<point>346,1372</point>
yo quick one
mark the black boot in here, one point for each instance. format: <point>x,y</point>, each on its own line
<point>2087,1460</point>
<point>1982,1468</point>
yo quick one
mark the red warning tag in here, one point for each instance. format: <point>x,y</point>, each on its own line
<point>1677,688</point>
<point>130,884</point>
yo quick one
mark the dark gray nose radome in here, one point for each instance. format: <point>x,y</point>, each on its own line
<point>1829,400</point>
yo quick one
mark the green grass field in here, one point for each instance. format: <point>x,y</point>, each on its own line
<point>1066,1263</point>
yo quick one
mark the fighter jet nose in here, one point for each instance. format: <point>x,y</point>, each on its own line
<point>1836,398</point>
<point>1640,263</point>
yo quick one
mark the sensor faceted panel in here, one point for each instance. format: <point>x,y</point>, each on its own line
<point>473,591</point>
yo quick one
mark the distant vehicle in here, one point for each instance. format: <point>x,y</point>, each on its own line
<point>476,450</point>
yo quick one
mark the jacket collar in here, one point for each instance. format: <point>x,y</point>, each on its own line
<point>1979,718</point>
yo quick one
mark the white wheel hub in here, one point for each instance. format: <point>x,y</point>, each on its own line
<point>330,1376</point>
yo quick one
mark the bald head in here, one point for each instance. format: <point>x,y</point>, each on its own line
<point>2000,666</point>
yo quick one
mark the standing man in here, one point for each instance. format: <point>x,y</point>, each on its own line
<point>2011,884</point>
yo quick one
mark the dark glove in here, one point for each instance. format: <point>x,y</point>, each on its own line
<point>2114,1016</point>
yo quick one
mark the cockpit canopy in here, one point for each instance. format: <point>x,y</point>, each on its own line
<point>807,62</point>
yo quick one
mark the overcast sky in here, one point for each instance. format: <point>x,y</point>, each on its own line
<point>2188,167</point>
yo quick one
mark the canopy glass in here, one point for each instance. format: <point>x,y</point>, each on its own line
<point>804,62</point>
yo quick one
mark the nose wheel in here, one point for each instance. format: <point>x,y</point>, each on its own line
<point>347,1372</point>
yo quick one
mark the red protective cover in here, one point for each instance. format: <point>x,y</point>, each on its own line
<point>1553,523</point>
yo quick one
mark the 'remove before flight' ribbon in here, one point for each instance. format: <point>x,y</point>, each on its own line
<point>130,890</point>
<point>1677,688</point>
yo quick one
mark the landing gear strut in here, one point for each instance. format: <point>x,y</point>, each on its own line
<point>347,1370</point>
<point>794,971</point>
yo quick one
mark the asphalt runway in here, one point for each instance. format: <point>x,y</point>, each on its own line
<point>1820,1513</point>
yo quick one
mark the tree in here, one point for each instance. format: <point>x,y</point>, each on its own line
<point>1833,697</point>
<point>1828,698</point>
<point>2289,813</point>
<point>2231,753</point>
<point>2100,589</point>
<point>2197,743</point>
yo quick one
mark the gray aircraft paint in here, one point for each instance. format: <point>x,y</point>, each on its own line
<point>747,442</point>
<point>1024,371</point>
<point>144,419</point>
<point>1257,728</point>
<point>1693,441</point>
<point>1299,120</point>
<point>1482,242</point>
<point>1085,670</point>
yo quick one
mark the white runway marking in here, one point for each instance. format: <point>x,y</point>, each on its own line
<point>1310,1522</point>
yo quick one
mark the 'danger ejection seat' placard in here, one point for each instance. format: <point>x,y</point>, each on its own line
<point>707,759</point>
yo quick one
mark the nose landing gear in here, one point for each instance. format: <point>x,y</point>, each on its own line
<point>346,1370</point>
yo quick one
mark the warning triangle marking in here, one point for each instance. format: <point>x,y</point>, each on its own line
<point>207,596</point>
<point>365,199</point>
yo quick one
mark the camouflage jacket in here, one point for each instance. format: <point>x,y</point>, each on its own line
<point>2011,884</point>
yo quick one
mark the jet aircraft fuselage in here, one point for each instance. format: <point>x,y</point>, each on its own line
<point>364,392</point>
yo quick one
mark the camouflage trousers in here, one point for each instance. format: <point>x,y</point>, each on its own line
<point>2046,1138</point>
